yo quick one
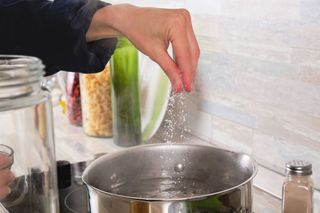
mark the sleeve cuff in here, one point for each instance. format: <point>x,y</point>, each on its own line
<point>79,55</point>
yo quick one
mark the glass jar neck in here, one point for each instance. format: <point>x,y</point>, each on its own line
<point>19,76</point>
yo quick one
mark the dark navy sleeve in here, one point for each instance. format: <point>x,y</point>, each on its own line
<point>55,32</point>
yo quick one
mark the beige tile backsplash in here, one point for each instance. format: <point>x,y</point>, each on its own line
<point>258,83</point>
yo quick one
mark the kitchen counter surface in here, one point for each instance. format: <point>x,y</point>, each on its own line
<point>264,202</point>
<point>73,145</point>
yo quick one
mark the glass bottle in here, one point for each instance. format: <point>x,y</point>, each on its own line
<point>96,103</point>
<point>26,127</point>
<point>297,190</point>
<point>73,97</point>
<point>125,94</point>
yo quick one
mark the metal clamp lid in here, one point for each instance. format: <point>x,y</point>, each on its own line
<point>298,167</point>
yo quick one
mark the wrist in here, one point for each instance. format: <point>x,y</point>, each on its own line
<point>107,22</point>
<point>118,17</point>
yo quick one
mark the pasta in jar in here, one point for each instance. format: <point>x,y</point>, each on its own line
<point>96,103</point>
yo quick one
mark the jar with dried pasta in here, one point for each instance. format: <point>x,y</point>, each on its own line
<point>96,103</point>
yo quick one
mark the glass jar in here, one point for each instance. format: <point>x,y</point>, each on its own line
<point>73,97</point>
<point>96,103</point>
<point>297,190</point>
<point>26,127</point>
<point>125,94</point>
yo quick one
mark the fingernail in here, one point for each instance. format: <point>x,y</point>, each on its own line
<point>187,87</point>
<point>177,85</point>
<point>178,88</point>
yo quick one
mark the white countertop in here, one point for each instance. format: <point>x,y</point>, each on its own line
<point>73,145</point>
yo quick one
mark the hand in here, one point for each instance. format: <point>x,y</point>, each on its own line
<point>6,178</point>
<point>151,30</point>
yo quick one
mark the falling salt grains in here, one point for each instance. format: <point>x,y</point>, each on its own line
<point>175,125</point>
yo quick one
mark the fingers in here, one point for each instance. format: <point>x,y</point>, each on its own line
<point>186,49</point>
<point>6,178</point>
<point>183,60</point>
<point>168,65</point>
<point>4,191</point>
<point>5,161</point>
<point>194,48</point>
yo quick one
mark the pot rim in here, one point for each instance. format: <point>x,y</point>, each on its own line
<point>112,155</point>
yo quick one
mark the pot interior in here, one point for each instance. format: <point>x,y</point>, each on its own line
<point>169,171</point>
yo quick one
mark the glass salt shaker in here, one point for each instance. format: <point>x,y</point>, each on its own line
<point>297,190</point>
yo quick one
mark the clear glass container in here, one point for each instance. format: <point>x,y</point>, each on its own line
<point>125,94</point>
<point>297,190</point>
<point>96,103</point>
<point>73,97</point>
<point>26,126</point>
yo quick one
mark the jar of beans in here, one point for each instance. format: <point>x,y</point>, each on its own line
<point>73,98</point>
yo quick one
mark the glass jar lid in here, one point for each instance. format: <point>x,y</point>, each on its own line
<point>298,167</point>
<point>19,75</point>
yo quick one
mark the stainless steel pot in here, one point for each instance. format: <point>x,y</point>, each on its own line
<point>171,178</point>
